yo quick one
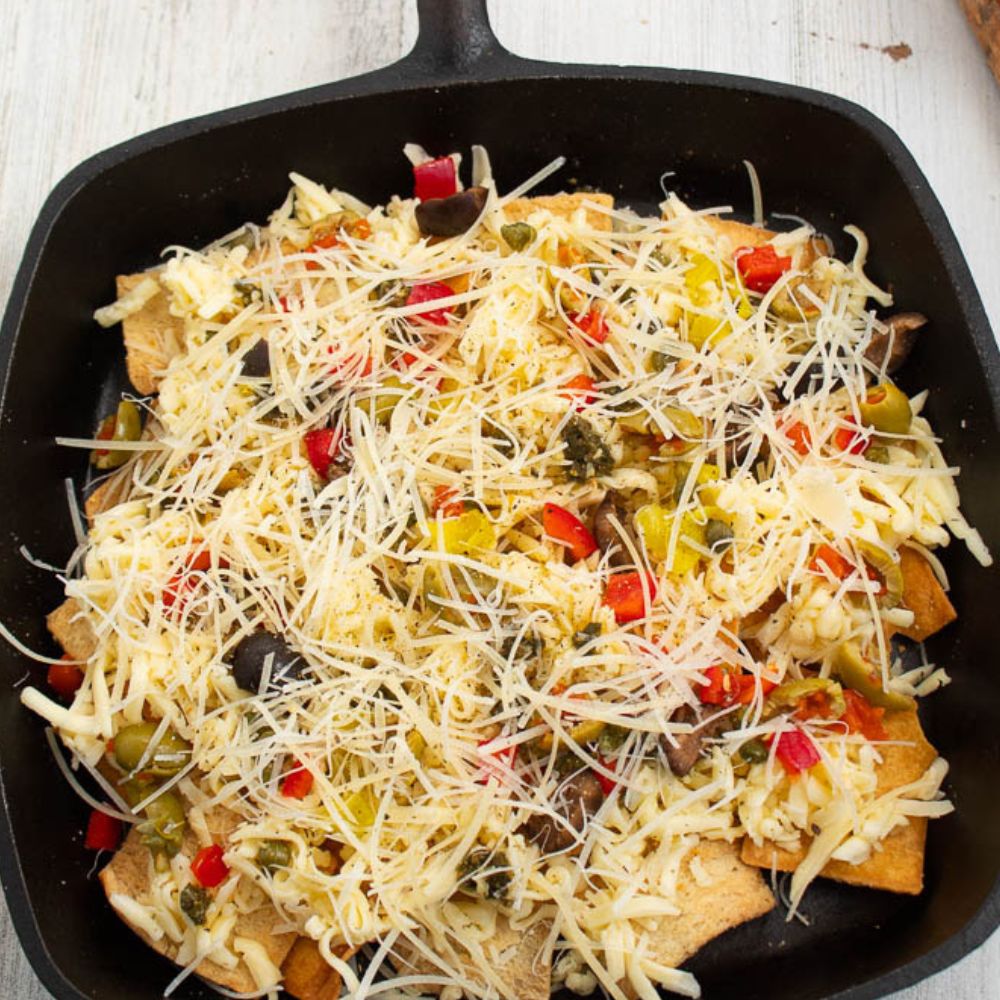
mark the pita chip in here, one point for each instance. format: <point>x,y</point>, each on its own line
<point>563,205</point>
<point>152,335</point>
<point>521,959</point>
<point>72,630</point>
<point>897,864</point>
<point>924,596</point>
<point>734,893</point>
<point>129,874</point>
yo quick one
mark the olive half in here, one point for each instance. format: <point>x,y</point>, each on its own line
<point>254,651</point>
<point>453,215</point>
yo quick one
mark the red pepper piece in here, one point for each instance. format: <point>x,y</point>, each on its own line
<point>435,179</point>
<point>861,716</point>
<point>850,439</point>
<point>180,585</point>
<point>796,751</point>
<point>625,596</point>
<point>103,832</point>
<point>65,678</point>
<point>799,435</point>
<point>592,325</point>
<point>608,785</point>
<point>445,502</point>
<point>208,867</point>
<point>567,529</point>
<point>828,556</point>
<point>760,267</point>
<point>105,432</point>
<point>352,366</point>
<point>322,448</point>
<point>297,784</point>
<point>719,688</point>
<point>580,389</point>
<point>497,763</point>
<point>430,291</point>
<point>747,688</point>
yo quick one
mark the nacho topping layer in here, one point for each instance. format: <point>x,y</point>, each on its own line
<point>438,555</point>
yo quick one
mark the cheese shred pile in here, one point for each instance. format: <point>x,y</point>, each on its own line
<point>376,494</point>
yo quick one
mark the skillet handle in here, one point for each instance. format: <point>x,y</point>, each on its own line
<point>453,39</point>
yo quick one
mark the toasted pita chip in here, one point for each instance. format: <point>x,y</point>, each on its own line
<point>736,893</point>
<point>153,336</point>
<point>307,974</point>
<point>521,959</point>
<point>739,234</point>
<point>897,865</point>
<point>924,596</point>
<point>110,492</point>
<point>128,874</point>
<point>73,632</point>
<point>563,205</point>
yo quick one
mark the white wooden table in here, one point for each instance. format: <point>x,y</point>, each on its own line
<point>79,75</point>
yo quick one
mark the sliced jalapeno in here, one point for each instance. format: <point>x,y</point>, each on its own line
<point>162,831</point>
<point>858,674</point>
<point>789,694</point>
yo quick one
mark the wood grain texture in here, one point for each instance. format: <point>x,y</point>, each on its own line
<point>77,76</point>
<point>984,16</point>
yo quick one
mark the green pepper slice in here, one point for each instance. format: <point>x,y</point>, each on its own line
<point>859,675</point>
<point>789,694</point>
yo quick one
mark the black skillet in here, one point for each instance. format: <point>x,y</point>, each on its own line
<point>819,157</point>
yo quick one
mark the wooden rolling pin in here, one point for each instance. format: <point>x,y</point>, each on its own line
<point>984,16</point>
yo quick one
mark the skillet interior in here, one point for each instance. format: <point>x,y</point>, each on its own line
<point>620,129</point>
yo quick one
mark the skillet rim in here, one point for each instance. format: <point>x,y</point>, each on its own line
<point>456,48</point>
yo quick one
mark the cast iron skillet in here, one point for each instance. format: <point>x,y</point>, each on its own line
<point>818,156</point>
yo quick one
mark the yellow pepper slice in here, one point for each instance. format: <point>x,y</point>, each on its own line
<point>704,330</point>
<point>655,523</point>
<point>463,534</point>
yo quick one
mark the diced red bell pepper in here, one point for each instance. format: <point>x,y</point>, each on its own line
<point>105,432</point>
<point>861,716</point>
<point>496,763</point>
<point>208,867</point>
<point>828,556</point>
<point>445,502</point>
<point>719,688</point>
<point>430,291</point>
<point>567,529</point>
<point>65,678</point>
<point>799,435</point>
<point>625,596</point>
<point>322,448</point>
<point>796,751</point>
<point>850,439</point>
<point>180,585</point>
<point>580,389</point>
<point>104,832</point>
<point>435,179</point>
<point>297,783</point>
<point>592,325</point>
<point>724,687</point>
<point>760,267</point>
<point>608,785</point>
<point>353,366</point>
<point>747,688</point>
